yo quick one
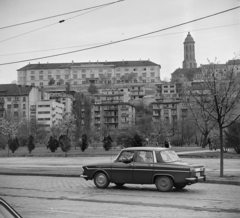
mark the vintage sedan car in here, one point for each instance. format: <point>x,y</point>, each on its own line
<point>145,165</point>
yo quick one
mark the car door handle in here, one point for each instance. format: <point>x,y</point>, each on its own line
<point>150,165</point>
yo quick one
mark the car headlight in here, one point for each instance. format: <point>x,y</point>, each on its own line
<point>192,169</point>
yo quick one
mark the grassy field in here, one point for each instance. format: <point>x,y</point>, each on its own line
<point>214,154</point>
<point>42,151</point>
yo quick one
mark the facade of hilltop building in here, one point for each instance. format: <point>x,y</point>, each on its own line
<point>142,71</point>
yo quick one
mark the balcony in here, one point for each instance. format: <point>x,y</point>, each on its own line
<point>111,109</point>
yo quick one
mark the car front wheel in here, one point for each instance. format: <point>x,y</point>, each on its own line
<point>101,180</point>
<point>164,183</point>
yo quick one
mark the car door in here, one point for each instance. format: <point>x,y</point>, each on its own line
<point>143,167</point>
<point>123,172</point>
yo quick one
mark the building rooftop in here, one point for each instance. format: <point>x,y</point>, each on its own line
<point>123,63</point>
<point>14,90</point>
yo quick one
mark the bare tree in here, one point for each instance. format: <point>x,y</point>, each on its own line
<point>218,96</point>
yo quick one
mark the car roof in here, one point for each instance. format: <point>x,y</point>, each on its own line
<point>144,148</point>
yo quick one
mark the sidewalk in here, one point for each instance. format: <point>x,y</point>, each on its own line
<point>71,167</point>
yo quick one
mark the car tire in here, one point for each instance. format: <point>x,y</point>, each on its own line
<point>179,186</point>
<point>119,184</point>
<point>101,180</point>
<point>164,183</point>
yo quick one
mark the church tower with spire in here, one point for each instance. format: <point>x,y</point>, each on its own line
<point>189,53</point>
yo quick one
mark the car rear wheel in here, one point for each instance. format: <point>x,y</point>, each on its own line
<point>164,183</point>
<point>179,186</point>
<point>119,184</point>
<point>101,180</point>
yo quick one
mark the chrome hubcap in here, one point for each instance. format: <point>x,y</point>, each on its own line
<point>101,179</point>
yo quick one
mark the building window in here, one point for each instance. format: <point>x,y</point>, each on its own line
<point>83,82</point>
<point>135,69</point>
<point>152,68</point>
<point>152,80</point>
<point>58,77</point>
<point>66,76</point>
<point>171,91</point>
<point>109,75</point>
<point>24,113</point>
<point>144,69</point>
<point>40,77</point>
<point>118,75</point>
<point>92,75</point>
<point>40,72</point>
<point>32,84</point>
<point>144,81</point>
<point>32,72</point>
<point>49,72</point>
<point>118,69</point>
<point>15,105</point>
<point>126,69</point>
<point>75,76</point>
<point>32,77</point>
<point>83,70</point>
<point>152,74</point>
<point>9,106</point>
<point>83,76</point>
<point>75,82</point>
<point>24,98</point>
<point>100,70</point>
<point>41,84</point>
<point>15,114</point>
<point>66,72</point>
<point>9,99</point>
<point>49,76</point>
<point>144,74</point>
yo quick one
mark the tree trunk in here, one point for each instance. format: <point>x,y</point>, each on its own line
<point>221,148</point>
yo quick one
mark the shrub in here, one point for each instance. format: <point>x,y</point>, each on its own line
<point>30,145</point>
<point>53,144</point>
<point>107,143</point>
<point>176,141</point>
<point>232,137</point>
<point>84,143</point>
<point>13,144</point>
<point>65,143</point>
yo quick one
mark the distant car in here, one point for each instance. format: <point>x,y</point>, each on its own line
<point>145,165</point>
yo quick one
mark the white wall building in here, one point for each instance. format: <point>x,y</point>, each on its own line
<point>49,112</point>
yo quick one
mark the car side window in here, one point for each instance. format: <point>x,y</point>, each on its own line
<point>144,157</point>
<point>126,154</point>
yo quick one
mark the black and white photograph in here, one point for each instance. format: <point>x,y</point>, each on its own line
<point>119,108</point>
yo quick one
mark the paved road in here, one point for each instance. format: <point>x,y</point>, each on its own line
<point>35,196</point>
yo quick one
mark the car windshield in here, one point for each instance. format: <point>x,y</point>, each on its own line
<point>169,156</point>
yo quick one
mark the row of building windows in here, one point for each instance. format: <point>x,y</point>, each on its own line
<point>67,72</point>
<point>15,98</point>
<point>75,76</point>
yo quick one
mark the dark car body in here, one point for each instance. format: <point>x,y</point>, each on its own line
<point>163,167</point>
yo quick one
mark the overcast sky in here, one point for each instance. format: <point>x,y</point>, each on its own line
<point>118,21</point>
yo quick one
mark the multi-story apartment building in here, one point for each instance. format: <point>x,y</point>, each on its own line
<point>90,73</point>
<point>49,112</point>
<point>16,101</point>
<point>168,107</point>
<point>118,115</point>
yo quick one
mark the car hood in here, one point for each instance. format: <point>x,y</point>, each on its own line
<point>98,165</point>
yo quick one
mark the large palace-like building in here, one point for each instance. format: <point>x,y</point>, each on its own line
<point>141,71</point>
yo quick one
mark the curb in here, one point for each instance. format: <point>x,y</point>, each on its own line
<point>210,181</point>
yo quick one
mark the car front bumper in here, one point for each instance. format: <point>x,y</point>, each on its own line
<point>196,179</point>
<point>84,176</point>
